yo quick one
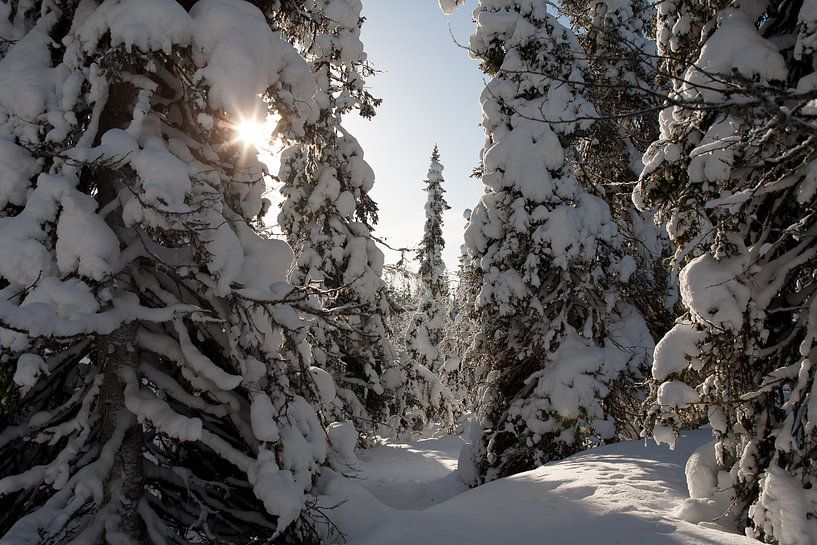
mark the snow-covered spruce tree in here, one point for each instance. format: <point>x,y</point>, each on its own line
<point>433,278</point>
<point>424,357</point>
<point>328,215</point>
<point>161,383</point>
<point>617,39</point>
<point>556,332</point>
<point>734,177</point>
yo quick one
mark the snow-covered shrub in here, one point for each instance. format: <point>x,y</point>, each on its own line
<point>732,178</point>
<point>162,389</point>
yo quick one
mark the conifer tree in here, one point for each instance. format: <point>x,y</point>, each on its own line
<point>328,215</point>
<point>424,335</point>
<point>555,331</point>
<point>424,358</point>
<point>430,249</point>
<point>616,40</point>
<point>732,179</point>
<point>155,376</point>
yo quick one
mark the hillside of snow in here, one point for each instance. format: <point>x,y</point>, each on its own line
<point>626,493</point>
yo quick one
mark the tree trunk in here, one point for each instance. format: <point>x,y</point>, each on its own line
<point>126,482</point>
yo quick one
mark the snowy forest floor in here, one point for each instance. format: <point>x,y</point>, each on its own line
<point>626,493</point>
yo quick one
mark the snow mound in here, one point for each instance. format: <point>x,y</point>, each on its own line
<point>622,493</point>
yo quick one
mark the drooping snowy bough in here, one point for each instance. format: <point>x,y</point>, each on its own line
<point>733,178</point>
<point>555,332</point>
<point>156,383</point>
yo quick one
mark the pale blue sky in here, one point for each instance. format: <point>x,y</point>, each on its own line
<point>430,90</point>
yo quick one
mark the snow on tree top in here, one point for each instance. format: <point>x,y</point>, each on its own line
<point>735,46</point>
<point>233,43</point>
<point>149,25</point>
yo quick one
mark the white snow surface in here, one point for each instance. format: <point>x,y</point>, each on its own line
<point>411,476</point>
<point>145,24</point>
<point>410,493</point>
<point>324,383</point>
<point>736,45</point>
<point>712,291</point>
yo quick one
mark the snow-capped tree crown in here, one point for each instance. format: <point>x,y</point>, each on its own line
<point>430,249</point>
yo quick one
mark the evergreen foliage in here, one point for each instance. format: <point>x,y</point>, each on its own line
<point>463,338</point>
<point>170,375</point>
<point>425,332</point>
<point>429,252</point>
<point>620,52</point>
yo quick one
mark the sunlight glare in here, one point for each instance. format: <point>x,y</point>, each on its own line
<point>257,139</point>
<point>254,134</point>
<point>251,132</point>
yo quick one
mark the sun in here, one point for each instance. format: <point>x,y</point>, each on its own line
<point>258,139</point>
<point>256,133</point>
<point>257,136</point>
